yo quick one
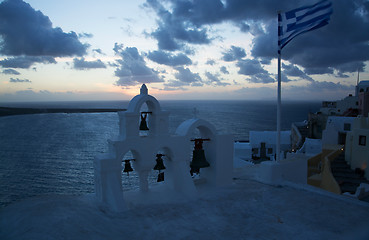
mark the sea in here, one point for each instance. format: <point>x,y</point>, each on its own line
<point>53,153</point>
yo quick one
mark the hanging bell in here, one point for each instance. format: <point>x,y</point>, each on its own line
<point>127,167</point>
<point>160,177</point>
<point>159,162</point>
<point>198,156</point>
<point>199,160</point>
<point>143,124</point>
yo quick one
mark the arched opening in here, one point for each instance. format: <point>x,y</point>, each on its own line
<point>130,179</point>
<point>156,175</point>
<point>202,130</point>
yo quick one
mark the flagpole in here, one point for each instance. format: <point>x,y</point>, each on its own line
<point>278,149</point>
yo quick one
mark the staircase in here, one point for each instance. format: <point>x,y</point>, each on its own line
<point>347,179</point>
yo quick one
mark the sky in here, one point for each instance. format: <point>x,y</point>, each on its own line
<point>181,49</point>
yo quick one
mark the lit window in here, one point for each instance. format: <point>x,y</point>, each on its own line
<point>362,140</point>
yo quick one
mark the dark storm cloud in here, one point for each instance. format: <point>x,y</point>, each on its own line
<point>82,64</point>
<point>174,30</point>
<point>187,21</point>
<point>10,72</point>
<point>214,79</point>
<point>169,59</point>
<point>293,71</point>
<point>341,46</point>
<point>131,68</point>
<point>233,54</point>
<point>25,61</point>
<point>17,80</point>
<point>25,31</point>
<point>224,70</point>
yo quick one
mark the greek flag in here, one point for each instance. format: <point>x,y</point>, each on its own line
<point>300,20</point>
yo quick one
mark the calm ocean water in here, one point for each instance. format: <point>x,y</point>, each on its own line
<point>45,154</point>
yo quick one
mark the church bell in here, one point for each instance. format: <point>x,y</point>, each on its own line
<point>198,156</point>
<point>127,167</point>
<point>159,162</point>
<point>159,166</point>
<point>143,124</point>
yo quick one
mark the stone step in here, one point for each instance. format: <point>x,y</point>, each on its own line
<point>346,174</point>
<point>339,166</point>
<point>348,180</point>
<point>339,161</point>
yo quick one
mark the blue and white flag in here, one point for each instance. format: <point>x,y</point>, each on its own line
<point>300,20</point>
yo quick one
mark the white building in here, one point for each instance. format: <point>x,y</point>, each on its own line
<point>357,145</point>
<point>362,86</point>
<point>263,143</point>
<point>340,107</point>
<point>336,130</point>
<point>311,147</point>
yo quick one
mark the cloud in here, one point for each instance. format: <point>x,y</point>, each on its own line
<point>185,77</point>
<point>210,62</point>
<point>325,85</point>
<point>224,70</point>
<point>131,68</point>
<point>44,95</point>
<point>261,78</point>
<point>98,50</point>
<point>82,64</point>
<point>315,90</point>
<point>186,21</point>
<point>255,71</point>
<point>250,67</point>
<point>25,61</point>
<point>25,31</point>
<point>85,35</point>
<point>17,80</point>
<point>174,29</point>
<point>169,59</point>
<point>233,54</point>
<point>340,47</point>
<point>215,80</point>
<point>293,71</point>
<point>10,72</point>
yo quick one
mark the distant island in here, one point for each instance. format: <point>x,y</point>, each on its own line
<point>7,111</point>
